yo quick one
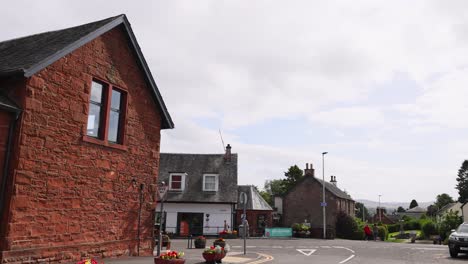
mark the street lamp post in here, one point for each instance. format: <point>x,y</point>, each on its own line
<point>323,196</point>
<point>162,190</point>
<point>380,212</point>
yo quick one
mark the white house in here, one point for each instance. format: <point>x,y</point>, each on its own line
<point>202,192</point>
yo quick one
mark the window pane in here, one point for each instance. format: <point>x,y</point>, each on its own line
<point>113,126</point>
<point>96,92</point>
<point>176,178</point>
<point>115,101</point>
<point>93,120</point>
<point>210,182</point>
<point>176,185</point>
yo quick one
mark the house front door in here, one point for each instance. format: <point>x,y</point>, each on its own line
<point>189,224</point>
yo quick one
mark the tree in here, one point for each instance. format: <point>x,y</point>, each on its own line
<point>462,185</point>
<point>293,175</point>
<point>280,187</point>
<point>360,209</point>
<point>400,209</point>
<point>442,200</point>
<point>413,204</point>
<point>432,210</point>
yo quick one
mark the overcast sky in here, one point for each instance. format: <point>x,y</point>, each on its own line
<point>382,86</point>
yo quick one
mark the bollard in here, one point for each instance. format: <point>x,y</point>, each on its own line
<point>189,241</point>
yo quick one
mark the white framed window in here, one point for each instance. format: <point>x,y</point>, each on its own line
<point>177,181</point>
<point>210,182</point>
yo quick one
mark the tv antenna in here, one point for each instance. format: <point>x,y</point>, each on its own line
<point>222,141</point>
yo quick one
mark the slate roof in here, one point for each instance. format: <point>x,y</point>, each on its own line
<point>195,165</point>
<point>446,208</point>
<point>254,200</point>
<point>416,209</point>
<point>28,55</point>
<point>334,189</point>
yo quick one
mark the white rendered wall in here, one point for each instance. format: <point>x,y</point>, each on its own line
<point>218,213</point>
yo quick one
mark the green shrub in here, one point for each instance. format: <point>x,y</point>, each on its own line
<point>345,226</point>
<point>412,224</point>
<point>358,235</point>
<point>428,229</point>
<point>393,228</point>
<point>296,227</point>
<point>383,232</point>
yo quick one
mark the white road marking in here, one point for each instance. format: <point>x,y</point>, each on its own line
<point>325,246</point>
<point>352,251</point>
<point>350,257</point>
<point>277,246</point>
<point>429,249</point>
<point>307,252</point>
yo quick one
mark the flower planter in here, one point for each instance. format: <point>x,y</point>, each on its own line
<point>200,243</point>
<point>168,261</point>
<point>219,243</point>
<point>213,258</point>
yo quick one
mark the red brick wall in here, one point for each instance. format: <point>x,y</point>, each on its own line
<point>71,198</point>
<point>252,216</point>
<point>303,202</point>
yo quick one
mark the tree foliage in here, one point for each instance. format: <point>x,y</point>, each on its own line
<point>462,185</point>
<point>360,210</point>
<point>413,204</point>
<point>280,187</point>
<point>431,210</point>
<point>293,175</point>
<point>450,221</point>
<point>345,225</point>
<point>442,200</point>
<point>400,209</point>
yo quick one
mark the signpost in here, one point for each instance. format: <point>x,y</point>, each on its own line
<point>243,201</point>
<point>162,191</point>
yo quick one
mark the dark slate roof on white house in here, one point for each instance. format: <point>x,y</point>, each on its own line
<point>196,165</point>
<point>254,200</point>
<point>28,55</point>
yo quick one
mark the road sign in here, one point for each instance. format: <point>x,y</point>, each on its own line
<point>162,190</point>
<point>243,198</point>
<point>323,204</point>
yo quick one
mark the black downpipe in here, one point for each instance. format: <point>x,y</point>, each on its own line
<point>6,165</point>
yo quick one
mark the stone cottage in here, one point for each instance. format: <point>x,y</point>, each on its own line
<point>303,203</point>
<point>80,122</point>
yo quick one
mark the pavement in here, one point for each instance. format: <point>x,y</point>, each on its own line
<point>194,255</point>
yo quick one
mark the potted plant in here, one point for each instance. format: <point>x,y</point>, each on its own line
<point>200,242</point>
<point>88,261</point>
<point>170,257</point>
<point>220,242</point>
<point>214,254</point>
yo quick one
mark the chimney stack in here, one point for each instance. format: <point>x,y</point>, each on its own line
<point>309,171</point>
<point>333,180</point>
<point>227,155</point>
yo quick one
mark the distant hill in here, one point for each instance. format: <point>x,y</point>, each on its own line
<point>390,205</point>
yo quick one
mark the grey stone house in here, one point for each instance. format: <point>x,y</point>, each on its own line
<point>303,203</point>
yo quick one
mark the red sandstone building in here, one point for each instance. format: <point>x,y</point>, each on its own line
<point>80,122</point>
<point>258,211</point>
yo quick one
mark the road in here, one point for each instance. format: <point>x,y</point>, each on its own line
<point>346,251</point>
<point>315,251</point>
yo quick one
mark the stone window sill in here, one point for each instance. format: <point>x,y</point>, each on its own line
<point>96,141</point>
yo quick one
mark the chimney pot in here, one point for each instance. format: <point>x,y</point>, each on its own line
<point>227,155</point>
<point>307,166</point>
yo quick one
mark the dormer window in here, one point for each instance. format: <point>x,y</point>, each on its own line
<point>210,182</point>
<point>177,181</point>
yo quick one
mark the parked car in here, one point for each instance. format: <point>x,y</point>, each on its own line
<point>458,240</point>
